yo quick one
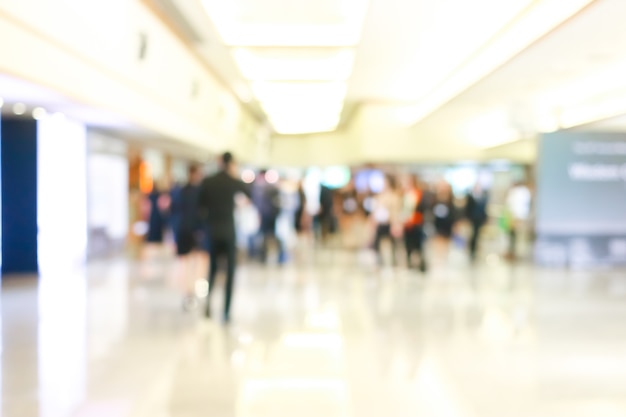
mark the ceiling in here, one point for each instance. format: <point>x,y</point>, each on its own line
<point>29,96</point>
<point>562,81</point>
<point>37,101</point>
<point>485,72</point>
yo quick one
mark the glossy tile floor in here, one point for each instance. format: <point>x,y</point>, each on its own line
<point>329,337</point>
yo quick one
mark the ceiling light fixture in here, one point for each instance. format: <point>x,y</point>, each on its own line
<point>298,108</point>
<point>490,129</point>
<point>280,64</point>
<point>39,113</point>
<point>19,108</point>
<point>333,23</point>
<point>305,125</point>
<point>300,93</point>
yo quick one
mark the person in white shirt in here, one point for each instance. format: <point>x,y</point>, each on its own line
<point>386,215</point>
<point>518,203</point>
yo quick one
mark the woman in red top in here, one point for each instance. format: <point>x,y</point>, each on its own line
<point>414,207</point>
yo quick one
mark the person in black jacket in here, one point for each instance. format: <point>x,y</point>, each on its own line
<point>325,219</point>
<point>216,202</point>
<point>476,213</point>
<point>188,232</point>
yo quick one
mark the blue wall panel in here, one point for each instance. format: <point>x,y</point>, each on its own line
<point>19,195</point>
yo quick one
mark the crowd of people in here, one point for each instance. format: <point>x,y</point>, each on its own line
<point>214,215</point>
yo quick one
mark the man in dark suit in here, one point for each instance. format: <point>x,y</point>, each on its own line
<point>476,212</point>
<point>216,202</point>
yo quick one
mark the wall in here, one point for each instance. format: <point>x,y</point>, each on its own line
<point>89,51</point>
<point>367,142</point>
<point>18,142</point>
<point>61,192</point>
<point>107,192</point>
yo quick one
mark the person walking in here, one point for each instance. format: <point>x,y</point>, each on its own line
<point>386,216</point>
<point>476,213</point>
<point>414,207</point>
<point>216,203</point>
<point>445,216</point>
<point>266,198</point>
<point>188,234</point>
<point>518,205</point>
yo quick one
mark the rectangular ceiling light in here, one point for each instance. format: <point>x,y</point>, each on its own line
<point>291,119</point>
<point>292,64</point>
<point>288,22</point>
<point>305,93</point>
<point>304,124</point>
<point>298,108</point>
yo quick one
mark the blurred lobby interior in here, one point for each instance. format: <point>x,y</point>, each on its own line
<point>106,104</point>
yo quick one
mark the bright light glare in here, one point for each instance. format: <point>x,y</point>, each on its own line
<point>601,82</point>
<point>297,108</point>
<point>313,341</point>
<point>538,20</point>
<point>598,96</point>
<point>272,176</point>
<point>336,177</point>
<point>491,129</point>
<point>140,228</point>
<point>39,113</point>
<point>19,108</point>
<point>329,320</point>
<point>248,176</point>
<point>592,111</point>
<point>201,288</point>
<point>294,64</point>
<point>286,23</point>
<point>304,124</point>
<point>260,394</point>
<point>296,93</point>
<point>1,102</point>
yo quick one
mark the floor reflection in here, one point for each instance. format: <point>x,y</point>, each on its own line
<point>310,340</point>
<point>62,342</point>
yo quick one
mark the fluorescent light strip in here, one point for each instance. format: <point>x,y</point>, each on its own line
<point>312,124</point>
<point>294,64</point>
<point>290,109</point>
<point>235,29</point>
<point>301,129</point>
<point>287,92</point>
<point>530,27</point>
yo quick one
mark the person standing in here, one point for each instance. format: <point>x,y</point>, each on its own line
<point>476,213</point>
<point>157,219</point>
<point>187,233</point>
<point>414,208</point>
<point>216,203</point>
<point>518,204</point>
<point>325,219</point>
<point>266,198</point>
<point>299,216</point>
<point>444,214</point>
<point>386,216</point>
